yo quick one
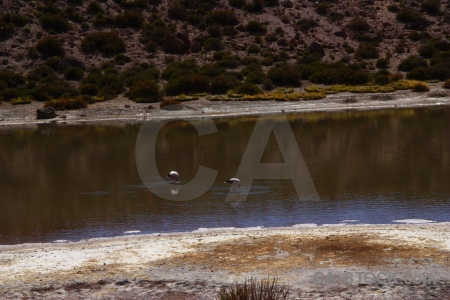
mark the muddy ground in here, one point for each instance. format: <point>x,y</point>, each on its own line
<point>323,262</point>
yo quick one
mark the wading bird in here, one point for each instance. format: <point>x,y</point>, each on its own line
<point>174,177</point>
<point>234,183</point>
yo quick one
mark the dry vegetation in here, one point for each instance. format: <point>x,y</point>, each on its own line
<point>148,49</point>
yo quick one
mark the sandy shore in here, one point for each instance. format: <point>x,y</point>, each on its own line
<point>122,109</point>
<point>195,265</point>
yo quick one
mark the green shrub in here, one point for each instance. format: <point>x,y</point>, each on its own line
<point>155,32</point>
<point>110,85</point>
<point>224,17</point>
<point>439,72</point>
<point>73,73</point>
<point>306,24</point>
<point>271,3</point>
<point>67,103</point>
<point>322,9</point>
<point>412,18</point>
<point>411,62</point>
<point>122,59</point>
<point>419,73</point>
<point>9,22</point>
<point>180,68</point>
<point>139,72</point>
<point>50,46</point>
<point>420,87</point>
<point>94,8</point>
<point>75,2</point>
<point>253,49</point>
<point>246,88</point>
<point>285,76</point>
<point>51,89</point>
<point>106,83</point>
<point>393,8</point>
<point>145,91</point>
<point>256,77</point>
<point>6,29</point>
<point>107,42</point>
<point>367,51</point>
<point>42,73</point>
<point>223,83</point>
<point>255,27</point>
<point>237,3</point>
<point>72,14</point>
<point>187,84</point>
<point>129,19</point>
<point>11,79</point>
<point>15,18</point>
<point>7,94</point>
<point>268,84</point>
<point>382,63</point>
<point>254,6</point>
<point>211,70</point>
<point>177,11</point>
<point>88,89</point>
<point>215,30</point>
<point>54,23</point>
<point>213,44</point>
<point>253,289</point>
<point>358,24</point>
<point>427,50</point>
<point>335,73</point>
<point>432,7</point>
<point>229,63</point>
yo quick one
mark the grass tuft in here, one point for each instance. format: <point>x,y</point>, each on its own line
<point>21,100</point>
<point>420,87</point>
<point>253,289</point>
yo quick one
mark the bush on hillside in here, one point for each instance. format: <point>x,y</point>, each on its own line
<point>224,17</point>
<point>223,83</point>
<point>412,18</point>
<point>106,42</point>
<point>129,19</point>
<point>255,27</point>
<point>145,91</point>
<point>411,62</point>
<point>432,7</point>
<point>246,88</point>
<point>11,79</point>
<point>187,84</point>
<point>358,24</point>
<point>285,76</point>
<point>50,46</point>
<point>54,23</point>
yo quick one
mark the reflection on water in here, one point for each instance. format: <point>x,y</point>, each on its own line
<point>73,182</point>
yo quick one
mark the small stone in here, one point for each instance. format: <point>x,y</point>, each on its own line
<point>46,113</point>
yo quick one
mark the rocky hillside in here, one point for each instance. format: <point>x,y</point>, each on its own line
<point>99,49</point>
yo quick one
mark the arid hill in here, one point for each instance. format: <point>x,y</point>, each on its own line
<point>148,48</point>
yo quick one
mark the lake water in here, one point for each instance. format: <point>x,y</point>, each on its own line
<point>63,182</point>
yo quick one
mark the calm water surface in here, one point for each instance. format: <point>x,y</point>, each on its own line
<point>74,182</point>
